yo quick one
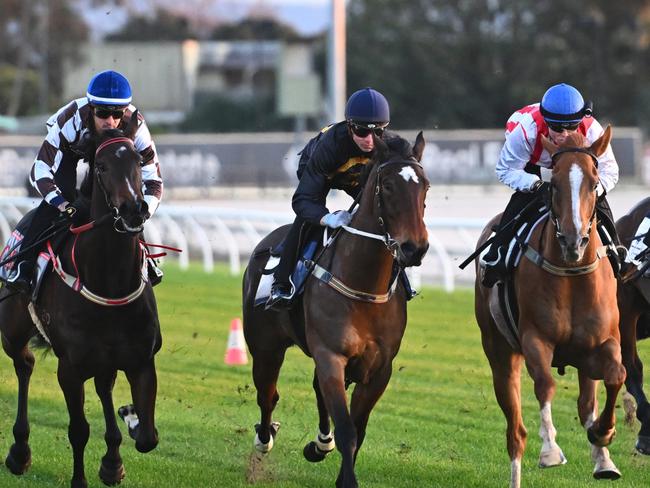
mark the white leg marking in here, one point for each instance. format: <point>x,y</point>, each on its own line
<point>325,442</point>
<point>515,473</point>
<point>551,454</point>
<point>604,467</point>
<point>575,178</point>
<point>408,173</point>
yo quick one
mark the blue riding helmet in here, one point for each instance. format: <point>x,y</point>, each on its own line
<point>109,88</point>
<point>564,104</point>
<point>368,108</point>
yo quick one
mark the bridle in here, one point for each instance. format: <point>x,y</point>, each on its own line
<point>552,215</point>
<point>114,211</point>
<point>391,244</point>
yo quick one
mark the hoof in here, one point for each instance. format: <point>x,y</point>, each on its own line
<point>312,453</point>
<point>265,447</point>
<point>643,444</point>
<point>149,444</point>
<point>130,417</point>
<point>111,475</point>
<point>18,461</point>
<point>601,441</point>
<point>607,471</point>
<point>549,459</point>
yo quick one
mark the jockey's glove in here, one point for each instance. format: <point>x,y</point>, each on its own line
<point>540,187</point>
<point>336,219</point>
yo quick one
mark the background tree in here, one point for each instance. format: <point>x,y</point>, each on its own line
<point>35,38</point>
<point>462,63</point>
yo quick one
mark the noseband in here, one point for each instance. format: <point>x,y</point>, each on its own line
<point>113,209</point>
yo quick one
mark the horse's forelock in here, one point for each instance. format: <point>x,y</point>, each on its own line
<point>575,139</point>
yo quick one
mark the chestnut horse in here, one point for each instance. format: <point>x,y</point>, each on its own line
<point>351,326</point>
<point>567,313</point>
<point>634,307</point>
<point>104,322</point>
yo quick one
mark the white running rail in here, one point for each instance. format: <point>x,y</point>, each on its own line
<point>208,234</point>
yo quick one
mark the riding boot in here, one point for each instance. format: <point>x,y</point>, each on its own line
<point>282,290</point>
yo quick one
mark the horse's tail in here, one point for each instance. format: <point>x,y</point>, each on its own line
<point>41,343</point>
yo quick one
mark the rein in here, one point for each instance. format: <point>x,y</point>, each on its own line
<point>391,244</point>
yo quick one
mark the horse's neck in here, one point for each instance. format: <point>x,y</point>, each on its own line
<point>107,259</point>
<point>361,262</point>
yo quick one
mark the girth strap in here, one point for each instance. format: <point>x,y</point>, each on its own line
<point>327,277</point>
<point>539,260</point>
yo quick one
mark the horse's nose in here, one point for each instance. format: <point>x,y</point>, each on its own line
<point>412,254</point>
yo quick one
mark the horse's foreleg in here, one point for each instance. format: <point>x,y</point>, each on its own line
<point>111,471</point>
<point>606,363</point>
<point>266,369</point>
<point>538,361</point>
<point>634,379</point>
<point>317,449</point>
<point>364,398</point>
<point>78,428</point>
<point>331,379</point>
<point>604,467</point>
<point>20,456</point>
<point>144,385</point>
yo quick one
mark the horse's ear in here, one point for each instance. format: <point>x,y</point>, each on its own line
<point>132,126</point>
<point>549,145</point>
<point>418,147</point>
<point>600,145</point>
<point>381,149</point>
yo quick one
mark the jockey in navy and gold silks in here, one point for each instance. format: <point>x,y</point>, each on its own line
<point>334,159</point>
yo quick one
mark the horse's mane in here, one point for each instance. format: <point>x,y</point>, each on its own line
<point>396,147</point>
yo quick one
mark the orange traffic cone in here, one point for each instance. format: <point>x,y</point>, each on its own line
<point>236,352</point>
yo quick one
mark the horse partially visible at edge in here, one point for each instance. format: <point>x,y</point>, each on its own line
<point>350,320</point>
<point>568,316</point>
<point>634,307</point>
<point>101,318</point>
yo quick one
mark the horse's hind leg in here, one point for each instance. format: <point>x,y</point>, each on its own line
<point>144,387</point>
<point>20,457</point>
<point>266,369</point>
<point>629,324</point>
<point>78,428</point>
<point>111,470</point>
<point>604,467</point>
<point>317,449</point>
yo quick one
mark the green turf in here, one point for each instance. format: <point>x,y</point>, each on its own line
<point>437,425</point>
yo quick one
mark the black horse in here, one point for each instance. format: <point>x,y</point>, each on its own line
<point>97,311</point>
<point>634,306</point>
<point>353,314</point>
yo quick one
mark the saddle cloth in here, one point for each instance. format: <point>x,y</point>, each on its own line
<point>503,299</point>
<point>298,277</point>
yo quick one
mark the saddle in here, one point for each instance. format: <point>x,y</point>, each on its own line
<point>503,298</point>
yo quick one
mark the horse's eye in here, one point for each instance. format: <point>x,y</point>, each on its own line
<point>100,167</point>
<point>388,186</point>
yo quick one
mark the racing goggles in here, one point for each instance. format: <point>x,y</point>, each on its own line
<point>364,131</point>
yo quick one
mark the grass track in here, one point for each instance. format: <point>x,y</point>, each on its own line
<point>437,425</point>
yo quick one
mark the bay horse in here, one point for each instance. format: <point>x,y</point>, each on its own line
<point>634,308</point>
<point>103,320</point>
<point>568,315</point>
<point>352,324</point>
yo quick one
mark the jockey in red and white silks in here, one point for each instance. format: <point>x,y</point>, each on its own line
<point>523,145</point>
